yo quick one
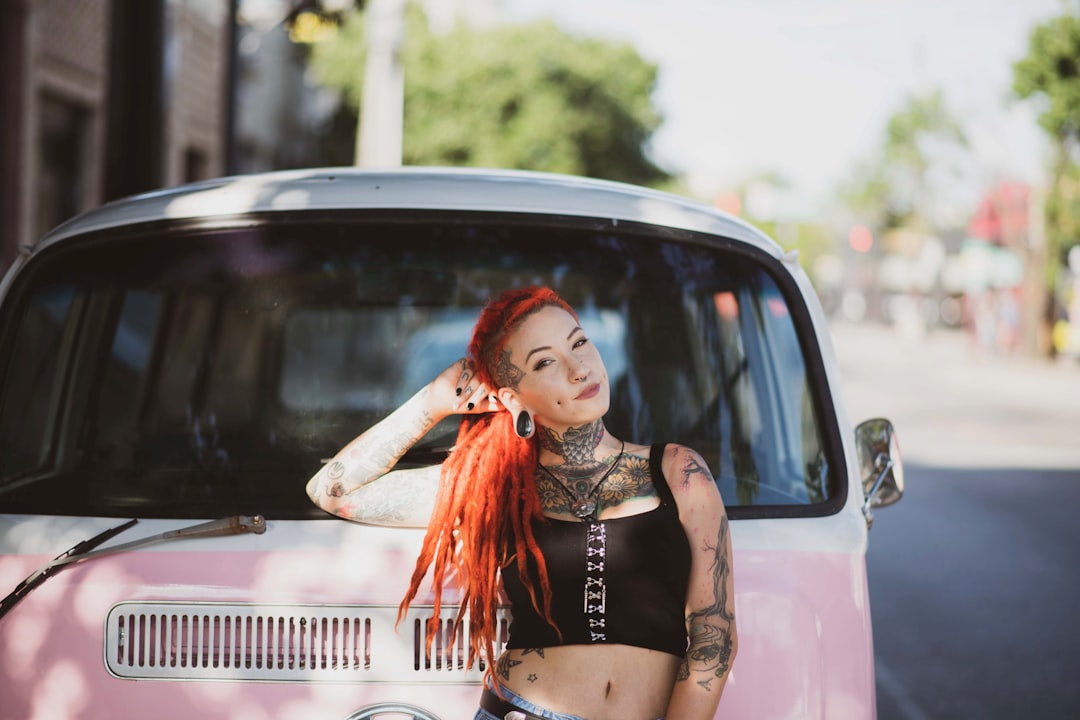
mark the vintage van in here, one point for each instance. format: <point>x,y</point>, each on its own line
<point>187,358</point>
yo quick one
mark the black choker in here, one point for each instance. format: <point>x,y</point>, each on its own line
<point>585,507</point>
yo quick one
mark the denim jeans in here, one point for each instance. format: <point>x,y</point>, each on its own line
<point>518,701</point>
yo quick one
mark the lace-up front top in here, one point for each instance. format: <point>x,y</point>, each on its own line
<point>621,580</point>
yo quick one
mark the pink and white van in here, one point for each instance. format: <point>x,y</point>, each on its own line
<point>187,358</point>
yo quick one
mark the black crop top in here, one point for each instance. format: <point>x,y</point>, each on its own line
<point>621,580</point>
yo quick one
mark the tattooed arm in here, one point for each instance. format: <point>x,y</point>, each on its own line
<point>359,483</point>
<point>710,598</point>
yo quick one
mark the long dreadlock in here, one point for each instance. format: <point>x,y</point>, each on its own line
<point>487,498</point>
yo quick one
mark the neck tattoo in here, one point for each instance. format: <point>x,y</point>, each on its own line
<point>585,506</point>
<point>576,445</point>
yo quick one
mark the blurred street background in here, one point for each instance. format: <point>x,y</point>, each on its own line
<point>957,405</point>
<point>973,580</point>
<point>924,158</point>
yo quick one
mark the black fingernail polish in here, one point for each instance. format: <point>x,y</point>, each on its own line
<point>470,406</point>
<point>458,391</point>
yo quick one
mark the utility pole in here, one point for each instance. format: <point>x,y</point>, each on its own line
<point>378,142</point>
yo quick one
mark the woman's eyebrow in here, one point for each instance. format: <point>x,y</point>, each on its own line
<point>548,347</point>
<point>536,350</point>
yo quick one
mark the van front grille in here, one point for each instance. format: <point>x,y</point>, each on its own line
<point>340,643</point>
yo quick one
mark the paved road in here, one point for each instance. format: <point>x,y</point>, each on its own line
<point>973,575</point>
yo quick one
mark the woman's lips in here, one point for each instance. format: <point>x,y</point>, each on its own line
<point>589,392</point>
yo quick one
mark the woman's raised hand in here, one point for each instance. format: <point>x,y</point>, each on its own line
<point>456,390</point>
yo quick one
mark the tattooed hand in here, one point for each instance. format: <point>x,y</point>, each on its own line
<point>456,390</point>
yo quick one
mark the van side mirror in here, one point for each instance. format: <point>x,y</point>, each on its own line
<point>879,465</point>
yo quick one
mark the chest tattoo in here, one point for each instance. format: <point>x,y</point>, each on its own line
<point>631,479</point>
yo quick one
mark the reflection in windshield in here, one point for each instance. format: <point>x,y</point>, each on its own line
<point>221,368</point>
<point>403,348</point>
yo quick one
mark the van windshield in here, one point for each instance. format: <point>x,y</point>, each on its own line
<point>201,373</point>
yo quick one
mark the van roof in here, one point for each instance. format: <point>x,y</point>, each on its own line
<point>462,189</point>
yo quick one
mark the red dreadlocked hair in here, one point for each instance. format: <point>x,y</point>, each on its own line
<point>487,498</point>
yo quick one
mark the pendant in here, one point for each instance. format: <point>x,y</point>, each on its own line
<point>584,508</point>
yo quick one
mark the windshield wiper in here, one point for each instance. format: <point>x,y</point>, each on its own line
<point>235,525</point>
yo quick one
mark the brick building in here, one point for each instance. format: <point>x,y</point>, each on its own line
<point>105,98</point>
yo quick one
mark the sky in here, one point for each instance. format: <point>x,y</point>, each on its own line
<point>804,88</point>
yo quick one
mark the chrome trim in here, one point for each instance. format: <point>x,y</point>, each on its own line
<point>883,464</point>
<point>372,712</point>
<point>243,642</point>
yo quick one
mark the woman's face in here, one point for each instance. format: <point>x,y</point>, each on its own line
<point>554,370</point>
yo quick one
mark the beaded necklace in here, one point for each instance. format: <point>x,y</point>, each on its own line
<point>585,507</point>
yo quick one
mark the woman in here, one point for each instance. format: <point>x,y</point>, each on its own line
<point>615,556</point>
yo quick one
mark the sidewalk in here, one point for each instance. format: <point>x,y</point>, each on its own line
<point>953,406</point>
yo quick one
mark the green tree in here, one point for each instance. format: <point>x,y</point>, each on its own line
<point>896,188</point>
<point>1050,74</point>
<point>522,96</point>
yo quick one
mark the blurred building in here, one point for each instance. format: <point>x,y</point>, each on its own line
<point>100,99</point>
<point>106,98</point>
<point>995,259</point>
